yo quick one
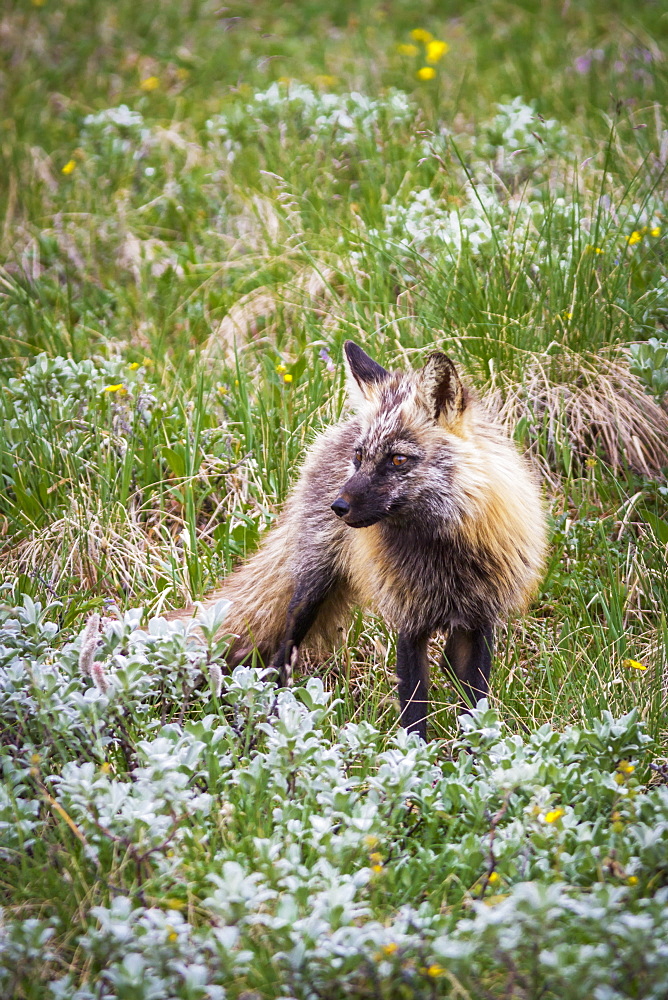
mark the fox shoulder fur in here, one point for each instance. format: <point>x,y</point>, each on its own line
<point>414,504</point>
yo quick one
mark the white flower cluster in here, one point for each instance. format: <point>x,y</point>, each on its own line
<point>517,137</point>
<point>341,119</point>
<point>532,223</point>
<point>112,119</point>
<point>121,129</point>
<point>484,222</point>
<point>253,840</point>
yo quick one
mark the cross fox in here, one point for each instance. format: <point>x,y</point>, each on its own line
<point>415,504</point>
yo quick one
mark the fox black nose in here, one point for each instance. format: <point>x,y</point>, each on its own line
<point>340,507</point>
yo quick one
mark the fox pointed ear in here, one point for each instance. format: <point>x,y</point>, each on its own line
<point>442,388</point>
<point>363,374</point>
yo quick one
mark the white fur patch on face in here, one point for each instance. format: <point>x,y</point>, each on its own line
<point>394,411</point>
<point>386,425</point>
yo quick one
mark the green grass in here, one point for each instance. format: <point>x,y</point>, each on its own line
<point>207,241</point>
<point>211,254</point>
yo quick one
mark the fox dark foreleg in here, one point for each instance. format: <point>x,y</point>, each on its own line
<point>468,655</point>
<point>309,596</point>
<point>413,674</point>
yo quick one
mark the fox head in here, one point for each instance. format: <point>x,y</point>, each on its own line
<point>403,454</point>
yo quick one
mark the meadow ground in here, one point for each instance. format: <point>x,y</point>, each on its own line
<point>199,205</point>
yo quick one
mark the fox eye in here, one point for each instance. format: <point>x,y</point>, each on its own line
<point>358,454</point>
<point>399,460</point>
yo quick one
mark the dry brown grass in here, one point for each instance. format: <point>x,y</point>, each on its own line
<point>588,405</point>
<point>257,312</point>
<point>106,547</point>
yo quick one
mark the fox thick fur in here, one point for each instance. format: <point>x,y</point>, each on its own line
<point>415,504</point>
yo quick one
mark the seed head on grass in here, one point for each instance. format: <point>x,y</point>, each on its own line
<point>89,644</point>
<point>216,675</point>
<point>99,677</point>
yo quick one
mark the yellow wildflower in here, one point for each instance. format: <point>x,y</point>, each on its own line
<point>407,50</point>
<point>494,877</point>
<point>435,970</point>
<point>633,665</point>
<point>150,83</point>
<point>133,366</point>
<point>280,369</point>
<point>370,841</point>
<point>287,378</point>
<point>392,947</point>
<point>591,463</point>
<point>222,389</point>
<point>69,167</point>
<point>120,389</point>
<point>626,767</point>
<point>172,936</point>
<point>376,860</point>
<point>324,80</point>
<point>146,361</point>
<point>436,50</point>
<point>106,767</point>
<point>634,238</point>
<point>553,815</point>
<point>632,880</point>
<point>654,232</point>
<point>568,315</point>
<point>420,35</point>
<point>426,73</point>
